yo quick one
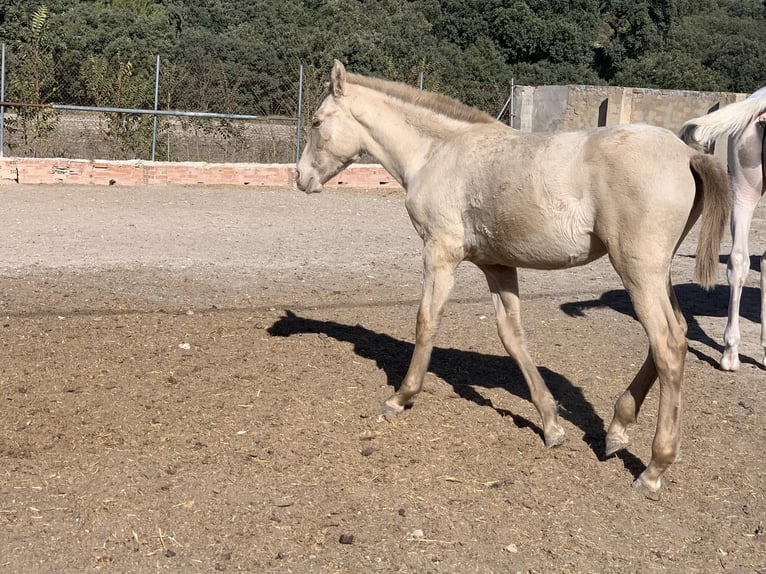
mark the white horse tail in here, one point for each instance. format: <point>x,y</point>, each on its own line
<point>715,196</point>
<point>727,121</point>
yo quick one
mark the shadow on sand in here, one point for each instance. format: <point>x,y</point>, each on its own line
<point>695,302</point>
<point>463,370</point>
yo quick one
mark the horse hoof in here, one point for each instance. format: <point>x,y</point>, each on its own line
<point>614,446</point>
<point>729,362</point>
<point>555,439</point>
<point>647,491</point>
<point>390,408</point>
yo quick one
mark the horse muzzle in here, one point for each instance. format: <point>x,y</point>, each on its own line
<point>308,183</point>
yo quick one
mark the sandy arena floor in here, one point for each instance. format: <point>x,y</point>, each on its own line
<point>190,382</point>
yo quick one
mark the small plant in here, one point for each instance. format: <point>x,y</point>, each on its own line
<point>33,82</point>
<point>113,84</point>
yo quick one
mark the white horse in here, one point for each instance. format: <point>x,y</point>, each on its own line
<point>479,191</point>
<point>742,122</point>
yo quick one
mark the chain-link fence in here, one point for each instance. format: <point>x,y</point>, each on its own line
<point>118,109</point>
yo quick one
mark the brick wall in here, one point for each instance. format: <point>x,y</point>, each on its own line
<point>100,172</point>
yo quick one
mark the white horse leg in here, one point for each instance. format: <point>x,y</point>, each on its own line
<point>438,279</point>
<point>504,286</point>
<point>657,310</point>
<point>736,271</point>
<point>763,306</point>
<point>667,437</point>
<point>627,407</point>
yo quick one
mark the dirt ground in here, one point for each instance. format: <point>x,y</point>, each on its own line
<point>191,379</point>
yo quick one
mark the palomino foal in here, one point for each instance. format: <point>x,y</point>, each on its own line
<point>481,192</point>
<point>743,123</point>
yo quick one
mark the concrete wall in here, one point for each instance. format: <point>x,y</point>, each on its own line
<point>557,108</point>
<point>554,108</point>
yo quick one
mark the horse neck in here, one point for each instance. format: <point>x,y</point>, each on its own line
<point>400,135</point>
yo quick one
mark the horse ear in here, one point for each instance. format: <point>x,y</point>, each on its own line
<point>338,78</point>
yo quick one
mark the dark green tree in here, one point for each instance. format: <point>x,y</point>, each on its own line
<point>228,55</point>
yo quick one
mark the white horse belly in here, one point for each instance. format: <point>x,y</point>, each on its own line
<point>532,242</point>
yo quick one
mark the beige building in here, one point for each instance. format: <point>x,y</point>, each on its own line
<point>556,108</point>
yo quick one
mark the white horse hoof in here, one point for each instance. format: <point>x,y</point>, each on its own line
<point>650,492</point>
<point>555,439</point>
<point>614,446</point>
<point>730,361</point>
<point>390,409</point>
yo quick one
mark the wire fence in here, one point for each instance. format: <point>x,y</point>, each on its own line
<point>113,110</point>
<point>120,110</point>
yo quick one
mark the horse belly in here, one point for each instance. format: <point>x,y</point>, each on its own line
<point>532,245</point>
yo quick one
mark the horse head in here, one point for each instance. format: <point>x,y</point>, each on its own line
<point>334,139</point>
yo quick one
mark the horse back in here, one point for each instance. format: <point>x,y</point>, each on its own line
<point>553,200</point>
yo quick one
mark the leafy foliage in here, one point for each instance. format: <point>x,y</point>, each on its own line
<point>33,81</point>
<point>228,55</point>
<point>115,84</point>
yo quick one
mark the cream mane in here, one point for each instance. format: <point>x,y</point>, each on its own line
<point>438,103</point>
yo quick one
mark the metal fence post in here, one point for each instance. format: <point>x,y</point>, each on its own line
<point>300,113</point>
<point>156,102</point>
<point>513,102</point>
<point>2,99</point>
<point>509,101</point>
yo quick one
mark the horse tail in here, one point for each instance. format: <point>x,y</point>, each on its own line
<point>712,185</point>
<point>727,121</point>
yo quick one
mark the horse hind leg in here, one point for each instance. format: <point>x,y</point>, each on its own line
<point>627,407</point>
<point>763,307</point>
<point>737,268</point>
<point>658,312</point>
<point>504,286</point>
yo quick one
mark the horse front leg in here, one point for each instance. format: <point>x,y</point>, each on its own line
<point>504,286</point>
<point>438,278</point>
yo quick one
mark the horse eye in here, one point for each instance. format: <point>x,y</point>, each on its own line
<point>316,123</point>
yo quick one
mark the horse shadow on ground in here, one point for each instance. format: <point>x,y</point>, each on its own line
<point>694,302</point>
<point>464,371</point>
